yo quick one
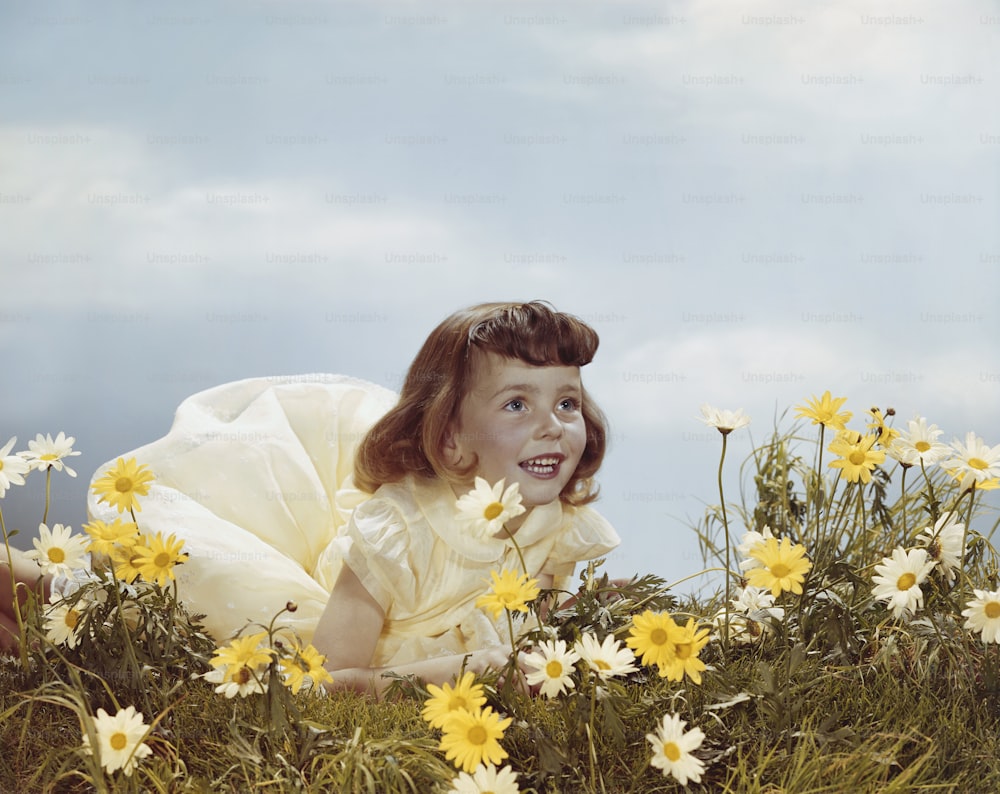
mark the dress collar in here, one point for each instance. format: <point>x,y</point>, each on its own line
<point>439,505</point>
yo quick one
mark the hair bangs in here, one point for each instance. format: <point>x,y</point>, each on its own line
<point>536,335</point>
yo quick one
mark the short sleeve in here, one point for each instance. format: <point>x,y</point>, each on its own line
<point>585,535</point>
<point>377,547</point>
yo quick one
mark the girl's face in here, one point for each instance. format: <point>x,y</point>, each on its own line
<point>523,424</point>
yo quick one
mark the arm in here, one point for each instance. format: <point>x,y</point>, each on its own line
<point>348,633</point>
<point>16,575</point>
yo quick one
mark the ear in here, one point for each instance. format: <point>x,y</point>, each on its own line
<point>451,449</point>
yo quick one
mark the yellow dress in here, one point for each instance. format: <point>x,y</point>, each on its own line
<point>256,477</point>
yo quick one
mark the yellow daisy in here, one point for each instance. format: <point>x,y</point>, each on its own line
<point>824,411</point>
<point>883,433</point>
<point>511,590</point>
<point>125,560</point>
<point>446,701</point>
<point>652,638</point>
<point>688,642</point>
<point>472,738</point>
<point>121,485</point>
<point>857,459</point>
<point>156,559</point>
<point>782,566</point>
<point>104,537</point>
<point>305,664</point>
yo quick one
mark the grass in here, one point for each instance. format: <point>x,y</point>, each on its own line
<point>831,694</point>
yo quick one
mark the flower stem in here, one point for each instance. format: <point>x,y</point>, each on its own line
<point>725,529</point>
<point>16,604</point>
<point>48,483</point>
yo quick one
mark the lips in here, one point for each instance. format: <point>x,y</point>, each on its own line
<point>544,466</point>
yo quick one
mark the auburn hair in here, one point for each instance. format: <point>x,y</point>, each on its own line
<point>410,438</point>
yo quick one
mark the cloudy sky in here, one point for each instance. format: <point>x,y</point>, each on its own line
<point>751,202</point>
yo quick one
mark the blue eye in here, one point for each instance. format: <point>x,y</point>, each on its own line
<point>515,405</point>
<point>568,404</point>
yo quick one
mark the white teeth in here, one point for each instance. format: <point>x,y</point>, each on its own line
<point>541,465</point>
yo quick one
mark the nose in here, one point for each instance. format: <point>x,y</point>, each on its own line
<point>550,426</point>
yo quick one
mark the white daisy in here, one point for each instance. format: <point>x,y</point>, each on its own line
<point>983,614</point>
<point>486,780</point>
<point>672,748</point>
<point>552,667</point>
<point>58,551</point>
<point>12,467</point>
<point>62,625</point>
<point>607,658</point>
<point>750,541</point>
<point>944,545</point>
<point>919,443</point>
<point>44,453</point>
<point>723,420</point>
<point>119,739</point>
<point>487,509</point>
<point>897,580</point>
<point>243,681</point>
<point>974,461</point>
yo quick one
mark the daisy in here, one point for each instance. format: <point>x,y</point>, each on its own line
<point>58,551</point>
<point>607,658</point>
<point>552,667</point>
<point>240,666</point>
<point>12,467</point>
<point>782,566</point>
<point>688,642</point>
<point>651,637</point>
<point>62,625</point>
<point>748,543</point>
<point>304,667</point>
<point>897,580</point>
<point>672,748</point>
<point>104,537</point>
<point>471,738</point>
<point>44,453</point>
<point>884,434</point>
<point>824,411</point>
<point>511,590</point>
<point>125,560</point>
<point>486,780</point>
<point>857,459</point>
<point>156,559</point>
<point>973,461</point>
<point>445,701</point>
<point>919,444</point>
<point>119,739</point>
<point>944,545</point>
<point>724,421</point>
<point>121,485</point>
<point>983,614</point>
<point>487,509</point>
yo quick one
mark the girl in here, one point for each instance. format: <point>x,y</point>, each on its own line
<point>495,392</point>
<point>327,492</point>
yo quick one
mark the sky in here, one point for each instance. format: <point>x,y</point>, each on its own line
<point>751,203</point>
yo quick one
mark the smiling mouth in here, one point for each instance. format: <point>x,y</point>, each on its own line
<point>544,466</point>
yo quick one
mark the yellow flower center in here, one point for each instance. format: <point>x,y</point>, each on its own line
<point>658,637</point>
<point>554,669</point>
<point>857,457</point>
<point>922,446</point>
<point>992,609</point>
<point>1,465</point>
<point>600,664</point>
<point>49,456</point>
<point>123,484</point>
<point>477,735</point>
<point>242,676</point>
<point>671,751</point>
<point>161,560</point>
<point>779,570</point>
<point>457,702</point>
<point>682,650</point>
<point>118,741</point>
<point>72,618</point>
<point>906,581</point>
<point>493,509</point>
<point>56,555</point>
<point>978,463</point>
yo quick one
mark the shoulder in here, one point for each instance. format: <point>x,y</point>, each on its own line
<point>585,534</point>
